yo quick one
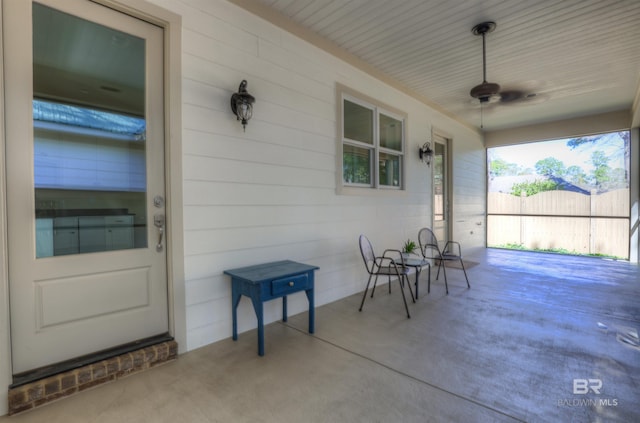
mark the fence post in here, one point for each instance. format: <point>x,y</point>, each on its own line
<point>523,229</point>
<point>592,221</point>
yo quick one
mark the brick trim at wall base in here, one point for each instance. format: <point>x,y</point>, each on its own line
<point>34,394</point>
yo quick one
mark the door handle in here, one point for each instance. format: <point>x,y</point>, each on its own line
<point>159,221</point>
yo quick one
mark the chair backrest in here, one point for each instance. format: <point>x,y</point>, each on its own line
<point>366,249</point>
<point>428,241</point>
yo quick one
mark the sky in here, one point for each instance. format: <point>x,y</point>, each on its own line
<point>526,155</point>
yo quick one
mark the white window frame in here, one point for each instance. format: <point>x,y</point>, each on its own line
<point>377,108</point>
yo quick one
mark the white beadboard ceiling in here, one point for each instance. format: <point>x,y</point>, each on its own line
<point>579,57</point>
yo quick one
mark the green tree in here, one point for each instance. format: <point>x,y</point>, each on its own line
<point>625,136</point>
<point>500,167</point>
<point>617,179</point>
<point>577,142</point>
<point>550,167</point>
<point>580,141</point>
<point>601,169</point>
<point>576,175</point>
<point>531,188</point>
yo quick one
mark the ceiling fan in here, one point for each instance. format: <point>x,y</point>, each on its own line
<point>490,92</point>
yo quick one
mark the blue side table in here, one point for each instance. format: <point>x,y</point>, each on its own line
<point>264,282</point>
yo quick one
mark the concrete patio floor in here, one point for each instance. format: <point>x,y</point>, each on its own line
<point>534,332</point>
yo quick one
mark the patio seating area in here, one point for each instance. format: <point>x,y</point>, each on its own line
<point>537,337</point>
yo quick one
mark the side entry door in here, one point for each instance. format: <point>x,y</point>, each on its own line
<point>441,190</point>
<point>85,179</point>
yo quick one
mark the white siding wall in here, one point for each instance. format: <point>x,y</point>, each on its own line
<point>270,193</point>
<point>469,193</point>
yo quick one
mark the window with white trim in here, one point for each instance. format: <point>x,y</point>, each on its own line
<point>372,145</point>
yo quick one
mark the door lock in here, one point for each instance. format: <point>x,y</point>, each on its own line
<point>158,201</point>
<point>159,221</point>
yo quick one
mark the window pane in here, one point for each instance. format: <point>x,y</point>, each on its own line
<point>89,160</point>
<point>358,122</point>
<point>438,182</point>
<point>356,163</point>
<point>389,166</point>
<point>390,133</point>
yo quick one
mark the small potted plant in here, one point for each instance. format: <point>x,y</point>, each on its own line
<point>409,248</point>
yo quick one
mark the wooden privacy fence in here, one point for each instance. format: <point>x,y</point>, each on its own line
<point>585,224</point>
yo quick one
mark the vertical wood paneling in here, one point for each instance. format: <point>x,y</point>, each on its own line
<point>592,229</point>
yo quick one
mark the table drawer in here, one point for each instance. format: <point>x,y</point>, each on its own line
<point>289,285</point>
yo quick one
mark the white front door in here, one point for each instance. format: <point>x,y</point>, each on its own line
<point>441,190</point>
<point>85,179</point>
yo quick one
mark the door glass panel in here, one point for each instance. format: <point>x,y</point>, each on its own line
<point>439,188</point>
<point>89,136</point>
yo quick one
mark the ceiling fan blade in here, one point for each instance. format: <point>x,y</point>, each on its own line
<point>509,96</point>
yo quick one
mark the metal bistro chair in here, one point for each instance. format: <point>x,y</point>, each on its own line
<point>384,266</point>
<point>451,252</point>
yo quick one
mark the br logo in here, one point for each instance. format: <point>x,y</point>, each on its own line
<point>583,386</point>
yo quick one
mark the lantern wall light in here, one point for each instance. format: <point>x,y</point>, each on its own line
<point>426,153</point>
<point>242,104</point>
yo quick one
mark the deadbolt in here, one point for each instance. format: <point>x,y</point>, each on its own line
<point>158,201</point>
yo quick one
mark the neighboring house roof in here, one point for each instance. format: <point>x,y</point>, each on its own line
<point>84,117</point>
<point>506,183</point>
<point>568,186</point>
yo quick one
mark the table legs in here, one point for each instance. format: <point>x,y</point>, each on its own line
<point>258,307</point>
<point>312,309</point>
<point>418,271</point>
<point>236,295</point>
<point>284,308</point>
<point>310,298</point>
<point>235,300</point>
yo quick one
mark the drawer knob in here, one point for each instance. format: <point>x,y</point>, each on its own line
<point>291,283</point>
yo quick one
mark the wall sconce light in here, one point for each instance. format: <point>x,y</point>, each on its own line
<point>242,104</point>
<point>426,153</point>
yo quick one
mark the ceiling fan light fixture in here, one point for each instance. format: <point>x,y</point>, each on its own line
<point>483,28</point>
<point>485,91</point>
